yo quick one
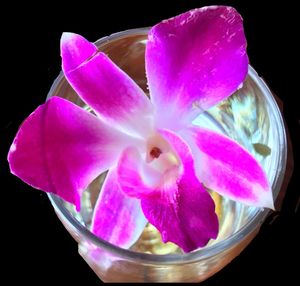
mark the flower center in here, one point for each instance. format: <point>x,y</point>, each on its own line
<point>160,156</point>
<point>155,152</point>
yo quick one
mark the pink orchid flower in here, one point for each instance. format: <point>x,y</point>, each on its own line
<point>158,161</point>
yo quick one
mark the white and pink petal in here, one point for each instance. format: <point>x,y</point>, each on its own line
<point>111,93</point>
<point>117,218</point>
<point>229,169</point>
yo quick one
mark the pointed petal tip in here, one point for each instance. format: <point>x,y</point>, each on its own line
<point>67,36</point>
<point>264,197</point>
<point>272,207</point>
<point>10,159</point>
<point>12,149</point>
<point>74,50</point>
<point>267,200</point>
<point>69,41</point>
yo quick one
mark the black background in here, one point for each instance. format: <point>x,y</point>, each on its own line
<point>36,247</point>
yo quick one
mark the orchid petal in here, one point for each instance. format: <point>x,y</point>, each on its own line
<point>181,209</point>
<point>60,148</point>
<point>193,61</point>
<point>229,169</point>
<point>117,218</point>
<point>112,94</point>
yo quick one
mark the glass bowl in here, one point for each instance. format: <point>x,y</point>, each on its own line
<point>250,116</point>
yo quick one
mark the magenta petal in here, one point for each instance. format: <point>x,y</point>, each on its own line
<point>61,148</point>
<point>113,95</point>
<point>227,168</point>
<point>183,211</point>
<point>117,218</point>
<point>195,60</point>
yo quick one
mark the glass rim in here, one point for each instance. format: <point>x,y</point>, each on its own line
<point>256,220</point>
